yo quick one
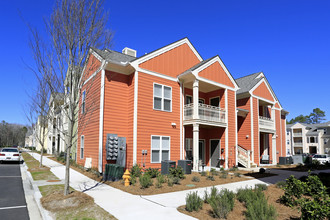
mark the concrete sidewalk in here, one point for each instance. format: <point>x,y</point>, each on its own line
<point>161,206</point>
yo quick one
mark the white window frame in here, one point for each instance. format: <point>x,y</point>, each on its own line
<point>160,148</point>
<point>161,97</point>
<point>82,146</point>
<point>83,102</point>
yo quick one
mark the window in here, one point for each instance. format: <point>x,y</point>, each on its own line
<point>325,130</point>
<point>160,148</point>
<point>288,142</point>
<point>215,101</point>
<point>325,141</point>
<point>287,133</point>
<point>82,143</point>
<point>162,97</point>
<point>189,99</point>
<point>83,101</point>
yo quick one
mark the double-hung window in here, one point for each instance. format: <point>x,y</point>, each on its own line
<point>162,97</point>
<point>83,102</point>
<point>160,148</point>
<point>82,143</point>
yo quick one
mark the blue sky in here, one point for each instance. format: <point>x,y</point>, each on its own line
<point>288,40</point>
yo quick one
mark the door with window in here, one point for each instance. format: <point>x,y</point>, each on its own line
<point>215,153</point>
<point>189,150</point>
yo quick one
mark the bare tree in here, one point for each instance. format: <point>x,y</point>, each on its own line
<point>73,27</point>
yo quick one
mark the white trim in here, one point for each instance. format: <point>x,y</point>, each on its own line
<point>162,97</point>
<point>135,112</point>
<point>226,135</point>
<point>152,73</point>
<point>181,119</point>
<point>212,61</point>
<point>101,121</point>
<point>252,131</point>
<point>167,48</point>
<point>215,83</point>
<point>267,85</point>
<point>82,137</point>
<point>263,99</point>
<point>210,158</point>
<point>101,66</point>
<point>160,148</point>
<point>258,123</point>
<point>83,101</point>
<point>236,139</point>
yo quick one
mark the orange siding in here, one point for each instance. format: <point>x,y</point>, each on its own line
<point>129,149</point>
<point>279,152</point>
<point>256,149</point>
<point>155,122</point>
<point>207,96</point>
<point>262,91</point>
<point>277,105</point>
<point>92,65</point>
<point>283,134</point>
<point>172,62</point>
<point>215,73</point>
<point>88,124</point>
<point>244,125</point>
<point>231,128</point>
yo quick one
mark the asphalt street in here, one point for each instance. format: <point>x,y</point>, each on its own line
<point>12,199</point>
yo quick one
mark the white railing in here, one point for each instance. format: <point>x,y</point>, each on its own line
<point>266,123</point>
<point>297,144</point>
<point>243,156</point>
<point>296,134</point>
<point>205,112</point>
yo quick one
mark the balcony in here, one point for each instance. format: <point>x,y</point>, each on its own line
<point>207,114</point>
<point>297,144</point>
<point>297,134</point>
<point>266,124</point>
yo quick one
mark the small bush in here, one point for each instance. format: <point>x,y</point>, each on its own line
<point>195,179</point>
<point>294,189</point>
<point>176,180</point>
<point>145,181</point>
<point>159,181</point>
<point>203,173</point>
<point>193,202</point>
<point>222,169</point>
<point>136,170</point>
<point>214,172</point>
<point>315,164</point>
<point>223,203</point>
<point>244,195</point>
<point>213,194</point>
<point>233,169</point>
<point>258,208</point>
<point>261,187</point>
<point>210,178</point>
<point>280,184</point>
<point>315,209</point>
<point>152,172</point>
<point>170,181</point>
<point>223,176</point>
<point>177,172</point>
<point>224,172</point>
<point>237,174</point>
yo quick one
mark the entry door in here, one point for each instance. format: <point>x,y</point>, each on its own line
<point>201,151</point>
<point>215,153</point>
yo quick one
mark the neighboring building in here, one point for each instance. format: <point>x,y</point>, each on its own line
<point>261,122</point>
<point>171,104</point>
<point>308,138</point>
<point>30,137</point>
<point>41,132</point>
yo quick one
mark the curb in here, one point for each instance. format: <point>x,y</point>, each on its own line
<point>46,215</point>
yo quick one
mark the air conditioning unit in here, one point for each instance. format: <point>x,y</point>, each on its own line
<point>186,166</point>
<point>166,165</point>
<point>129,51</point>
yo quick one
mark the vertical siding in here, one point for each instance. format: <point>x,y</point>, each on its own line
<point>231,128</point>
<point>155,122</point>
<point>88,124</point>
<point>256,130</point>
<point>262,91</point>
<point>215,73</point>
<point>172,62</point>
<point>244,124</point>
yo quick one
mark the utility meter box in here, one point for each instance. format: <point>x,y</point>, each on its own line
<point>112,147</point>
<point>166,165</point>
<point>186,166</point>
<point>121,159</point>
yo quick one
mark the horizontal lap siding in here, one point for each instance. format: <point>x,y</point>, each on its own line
<point>172,62</point>
<point>207,96</point>
<point>215,73</point>
<point>278,134</point>
<point>88,124</point>
<point>283,134</point>
<point>155,122</point>
<point>262,91</point>
<point>256,130</point>
<point>231,128</point>
<point>92,65</point>
<point>116,108</point>
<point>244,125</point>
<point>129,149</point>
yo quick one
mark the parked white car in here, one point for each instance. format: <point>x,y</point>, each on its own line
<point>323,158</point>
<point>10,154</point>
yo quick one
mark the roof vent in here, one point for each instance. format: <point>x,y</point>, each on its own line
<point>129,52</point>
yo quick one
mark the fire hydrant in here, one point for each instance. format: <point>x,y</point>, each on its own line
<point>127,177</point>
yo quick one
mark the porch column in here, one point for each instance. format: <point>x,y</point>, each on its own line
<point>195,146</point>
<point>195,98</point>
<point>274,149</point>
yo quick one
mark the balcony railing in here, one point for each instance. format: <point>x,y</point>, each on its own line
<point>266,123</point>
<point>205,112</point>
<point>297,134</point>
<point>297,144</point>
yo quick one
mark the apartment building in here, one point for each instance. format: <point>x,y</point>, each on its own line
<point>308,138</point>
<point>171,104</point>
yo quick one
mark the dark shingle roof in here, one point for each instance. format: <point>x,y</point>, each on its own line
<point>246,83</point>
<point>114,56</point>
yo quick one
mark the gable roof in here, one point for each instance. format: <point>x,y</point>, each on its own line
<point>114,56</point>
<point>198,65</point>
<point>246,83</point>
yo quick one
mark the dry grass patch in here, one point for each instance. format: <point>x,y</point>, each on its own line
<point>76,205</point>
<point>43,175</point>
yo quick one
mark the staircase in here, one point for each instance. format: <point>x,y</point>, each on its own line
<point>243,157</point>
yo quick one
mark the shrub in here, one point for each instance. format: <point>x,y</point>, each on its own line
<point>280,184</point>
<point>193,202</point>
<point>170,181</point>
<point>223,203</point>
<point>210,178</point>
<point>222,169</point>
<point>224,172</point>
<point>136,170</point>
<point>261,187</point>
<point>176,180</point>
<point>237,174</point>
<point>214,172</point>
<point>233,169</point>
<point>177,172</point>
<point>203,173</point>
<point>133,180</point>
<point>315,209</point>
<point>315,164</point>
<point>160,180</point>
<point>195,179</point>
<point>145,181</point>
<point>258,208</point>
<point>294,189</point>
<point>315,187</point>
<point>223,176</point>
<point>244,195</point>
<point>152,172</point>
<point>211,196</point>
